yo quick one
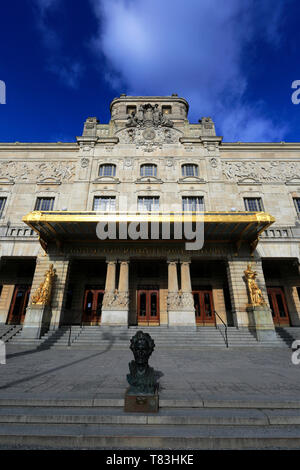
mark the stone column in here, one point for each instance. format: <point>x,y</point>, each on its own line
<point>258,318</point>
<point>180,303</point>
<point>110,282</point>
<point>40,318</point>
<point>116,301</point>
<point>5,301</point>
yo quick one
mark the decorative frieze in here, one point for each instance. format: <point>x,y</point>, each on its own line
<point>263,171</point>
<point>37,171</point>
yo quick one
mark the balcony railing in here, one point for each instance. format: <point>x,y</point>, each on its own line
<point>17,231</point>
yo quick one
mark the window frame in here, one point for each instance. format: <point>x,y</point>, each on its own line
<point>258,200</point>
<point>112,208</point>
<point>188,209</point>
<point>296,200</point>
<point>193,166</point>
<point>102,170</point>
<point>155,199</point>
<point>149,165</point>
<point>39,202</point>
<point>3,205</point>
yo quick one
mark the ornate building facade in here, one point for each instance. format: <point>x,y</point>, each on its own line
<point>149,168</point>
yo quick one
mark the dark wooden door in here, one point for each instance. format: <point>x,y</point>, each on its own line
<point>18,304</point>
<point>92,305</point>
<point>278,306</point>
<point>148,306</point>
<point>204,307</point>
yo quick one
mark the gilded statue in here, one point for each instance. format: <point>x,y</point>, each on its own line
<point>256,296</point>
<point>42,295</point>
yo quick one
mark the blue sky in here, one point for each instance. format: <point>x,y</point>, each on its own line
<point>233,60</point>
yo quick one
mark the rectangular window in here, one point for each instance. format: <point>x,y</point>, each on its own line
<point>104,203</point>
<point>297,204</point>
<point>193,203</point>
<point>148,203</point>
<point>189,170</point>
<point>44,204</point>
<point>253,204</point>
<point>2,204</point>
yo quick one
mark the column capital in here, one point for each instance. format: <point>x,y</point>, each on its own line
<point>172,261</point>
<point>111,261</point>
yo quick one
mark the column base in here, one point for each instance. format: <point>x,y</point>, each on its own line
<point>180,318</point>
<point>37,321</point>
<point>114,317</point>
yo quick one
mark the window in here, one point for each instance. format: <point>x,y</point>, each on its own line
<point>104,203</point>
<point>148,203</point>
<point>130,109</point>
<point>189,170</point>
<point>2,204</point>
<point>253,204</point>
<point>166,109</point>
<point>107,170</point>
<point>148,170</point>
<point>44,204</point>
<point>297,204</point>
<point>193,203</point>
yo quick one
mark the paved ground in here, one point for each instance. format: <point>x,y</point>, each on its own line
<point>240,374</point>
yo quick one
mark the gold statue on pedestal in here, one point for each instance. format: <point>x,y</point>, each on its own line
<point>42,295</point>
<point>256,296</point>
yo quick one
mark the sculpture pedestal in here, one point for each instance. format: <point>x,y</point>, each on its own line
<point>37,321</point>
<point>260,317</point>
<point>141,403</point>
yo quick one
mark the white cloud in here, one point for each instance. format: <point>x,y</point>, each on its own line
<point>193,48</point>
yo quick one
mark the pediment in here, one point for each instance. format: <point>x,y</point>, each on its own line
<point>5,180</point>
<point>191,179</point>
<point>149,179</point>
<point>248,180</point>
<point>293,181</point>
<point>49,180</point>
<point>106,179</point>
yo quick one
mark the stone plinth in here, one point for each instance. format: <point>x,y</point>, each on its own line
<point>260,318</point>
<point>141,403</point>
<point>37,321</point>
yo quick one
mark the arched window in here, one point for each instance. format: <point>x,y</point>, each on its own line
<point>108,169</point>
<point>148,169</point>
<point>189,170</point>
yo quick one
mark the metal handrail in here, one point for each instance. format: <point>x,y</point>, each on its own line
<point>225,325</point>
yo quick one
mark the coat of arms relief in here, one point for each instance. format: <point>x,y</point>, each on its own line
<point>148,128</point>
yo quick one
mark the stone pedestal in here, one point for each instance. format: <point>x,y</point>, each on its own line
<point>115,301</point>
<point>260,318</point>
<point>141,403</point>
<point>37,321</point>
<point>181,310</point>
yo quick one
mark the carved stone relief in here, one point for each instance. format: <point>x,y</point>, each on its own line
<point>34,171</point>
<point>261,171</point>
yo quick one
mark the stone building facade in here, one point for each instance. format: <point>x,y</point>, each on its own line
<point>149,161</point>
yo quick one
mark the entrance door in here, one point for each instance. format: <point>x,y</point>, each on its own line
<point>148,306</point>
<point>92,305</point>
<point>18,305</point>
<point>278,306</point>
<point>204,307</point>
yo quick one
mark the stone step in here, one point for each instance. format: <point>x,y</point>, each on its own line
<point>176,416</point>
<point>146,436</point>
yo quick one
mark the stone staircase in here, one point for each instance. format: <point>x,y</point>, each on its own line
<point>7,332</point>
<point>102,424</point>
<point>288,334</point>
<point>103,337</point>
